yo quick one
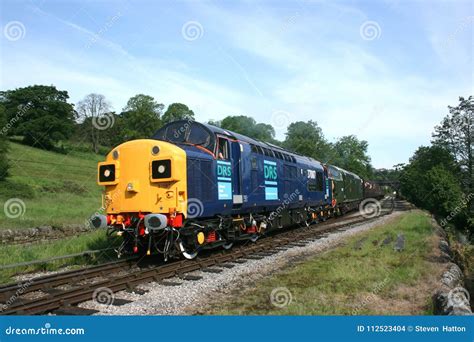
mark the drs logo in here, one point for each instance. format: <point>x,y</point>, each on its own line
<point>224,180</point>
<point>271,184</point>
<point>224,170</point>
<point>270,172</point>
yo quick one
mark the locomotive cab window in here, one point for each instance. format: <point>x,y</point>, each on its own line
<point>223,149</point>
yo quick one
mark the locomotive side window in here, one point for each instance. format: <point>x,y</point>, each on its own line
<point>311,175</point>
<point>223,149</point>
<point>253,161</point>
<point>289,171</point>
<point>315,180</point>
<point>319,181</point>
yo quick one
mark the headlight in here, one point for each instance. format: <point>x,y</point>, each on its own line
<point>161,169</point>
<point>107,173</point>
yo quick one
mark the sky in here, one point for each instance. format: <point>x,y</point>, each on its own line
<point>384,71</point>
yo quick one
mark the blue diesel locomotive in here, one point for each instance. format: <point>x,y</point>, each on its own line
<point>194,186</point>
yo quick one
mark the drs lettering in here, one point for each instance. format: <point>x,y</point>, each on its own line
<point>270,172</point>
<point>224,170</point>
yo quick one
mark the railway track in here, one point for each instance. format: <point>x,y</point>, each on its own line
<point>59,293</point>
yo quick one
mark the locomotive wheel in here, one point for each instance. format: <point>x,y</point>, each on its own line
<point>186,254</point>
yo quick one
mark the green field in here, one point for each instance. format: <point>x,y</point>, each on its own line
<point>56,189</point>
<point>372,280</point>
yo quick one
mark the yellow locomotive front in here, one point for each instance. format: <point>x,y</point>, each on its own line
<point>145,195</point>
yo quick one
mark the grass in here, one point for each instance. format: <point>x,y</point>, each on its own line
<point>12,254</point>
<point>57,189</point>
<point>347,280</point>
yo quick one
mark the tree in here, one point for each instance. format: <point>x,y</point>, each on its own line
<point>177,111</point>
<point>94,110</point>
<point>444,191</point>
<point>109,137</point>
<point>41,114</point>
<point>350,154</point>
<point>307,138</point>
<point>431,181</point>
<point>3,145</point>
<point>456,133</point>
<point>141,117</point>
<point>216,123</point>
<point>388,174</point>
<point>247,126</point>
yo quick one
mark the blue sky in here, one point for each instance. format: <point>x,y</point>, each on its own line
<point>382,70</point>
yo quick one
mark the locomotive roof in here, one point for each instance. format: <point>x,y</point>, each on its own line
<point>249,140</point>
<point>233,135</point>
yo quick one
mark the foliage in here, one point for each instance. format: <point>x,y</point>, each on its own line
<point>456,134</point>
<point>306,138</point>
<point>350,154</point>
<point>92,109</point>
<point>141,117</point>
<point>246,125</point>
<point>112,136</point>
<point>431,181</point>
<point>3,145</point>
<point>41,114</point>
<point>177,111</point>
<point>387,174</point>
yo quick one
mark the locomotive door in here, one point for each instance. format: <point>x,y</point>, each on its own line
<point>236,150</point>
<point>229,152</point>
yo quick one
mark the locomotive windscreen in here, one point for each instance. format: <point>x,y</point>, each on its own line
<point>188,133</point>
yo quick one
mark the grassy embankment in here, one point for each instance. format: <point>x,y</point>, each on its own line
<point>14,254</point>
<point>57,189</point>
<point>374,279</point>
